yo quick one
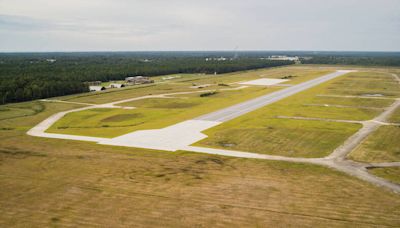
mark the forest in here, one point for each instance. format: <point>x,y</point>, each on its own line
<point>29,76</point>
<point>354,60</point>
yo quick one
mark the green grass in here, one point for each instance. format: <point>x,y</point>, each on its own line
<point>395,117</point>
<point>383,145</point>
<point>295,138</point>
<point>390,173</point>
<point>63,183</point>
<point>299,105</point>
<point>360,102</point>
<point>20,110</point>
<point>365,83</point>
<point>151,113</point>
<point>158,113</point>
<point>182,84</point>
<point>260,131</point>
<point>168,103</point>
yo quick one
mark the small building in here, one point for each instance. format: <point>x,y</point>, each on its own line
<point>116,85</point>
<point>51,60</point>
<point>96,88</point>
<point>138,80</point>
<point>283,57</point>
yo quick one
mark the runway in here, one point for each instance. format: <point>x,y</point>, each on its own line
<point>251,105</point>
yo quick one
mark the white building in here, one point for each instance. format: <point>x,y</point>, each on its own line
<point>96,88</point>
<point>138,80</point>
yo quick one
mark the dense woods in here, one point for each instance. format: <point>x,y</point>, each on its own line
<point>26,77</point>
<point>353,60</point>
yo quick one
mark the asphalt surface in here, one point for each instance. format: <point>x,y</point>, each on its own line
<point>251,105</point>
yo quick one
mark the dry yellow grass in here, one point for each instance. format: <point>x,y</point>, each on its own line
<point>383,145</point>
<point>49,182</point>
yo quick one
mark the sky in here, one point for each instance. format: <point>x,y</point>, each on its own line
<point>194,25</point>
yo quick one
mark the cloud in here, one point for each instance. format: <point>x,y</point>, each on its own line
<point>28,24</point>
<point>199,25</point>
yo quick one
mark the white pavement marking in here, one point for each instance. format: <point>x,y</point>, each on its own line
<point>171,138</point>
<point>39,130</point>
<point>182,135</point>
<point>351,96</point>
<point>264,81</point>
<point>253,104</point>
<point>320,119</point>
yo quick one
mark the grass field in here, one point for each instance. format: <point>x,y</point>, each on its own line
<point>150,113</point>
<point>20,110</point>
<point>261,132</point>
<point>395,118</point>
<point>391,173</point>
<point>158,113</point>
<point>381,146</point>
<point>49,182</point>
<point>366,83</point>
<point>187,80</point>
<point>295,138</point>
<point>56,183</point>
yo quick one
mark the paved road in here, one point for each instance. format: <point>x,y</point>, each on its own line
<point>251,105</point>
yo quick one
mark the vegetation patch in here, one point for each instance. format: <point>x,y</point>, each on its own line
<point>100,185</point>
<point>288,77</point>
<point>296,138</point>
<point>122,117</point>
<point>259,131</point>
<point>21,110</point>
<point>383,145</point>
<point>390,173</point>
<point>395,117</point>
<point>208,94</point>
<point>16,153</point>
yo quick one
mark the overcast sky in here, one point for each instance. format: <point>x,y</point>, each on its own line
<point>150,25</point>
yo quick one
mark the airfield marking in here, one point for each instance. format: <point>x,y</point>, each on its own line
<point>253,104</point>
<point>336,159</point>
<point>190,127</point>
<point>320,119</point>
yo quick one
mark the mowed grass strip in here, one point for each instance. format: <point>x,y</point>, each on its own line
<point>262,132</point>
<point>299,105</point>
<point>187,80</point>
<point>109,122</point>
<point>12,111</point>
<point>366,83</point>
<point>309,104</point>
<point>356,102</point>
<point>153,113</point>
<point>383,145</point>
<point>395,117</point>
<point>389,173</point>
<point>294,138</point>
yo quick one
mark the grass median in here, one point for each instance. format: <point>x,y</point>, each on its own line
<point>383,145</point>
<point>263,131</point>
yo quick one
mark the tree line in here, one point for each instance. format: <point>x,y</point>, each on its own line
<point>25,77</point>
<point>354,60</point>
